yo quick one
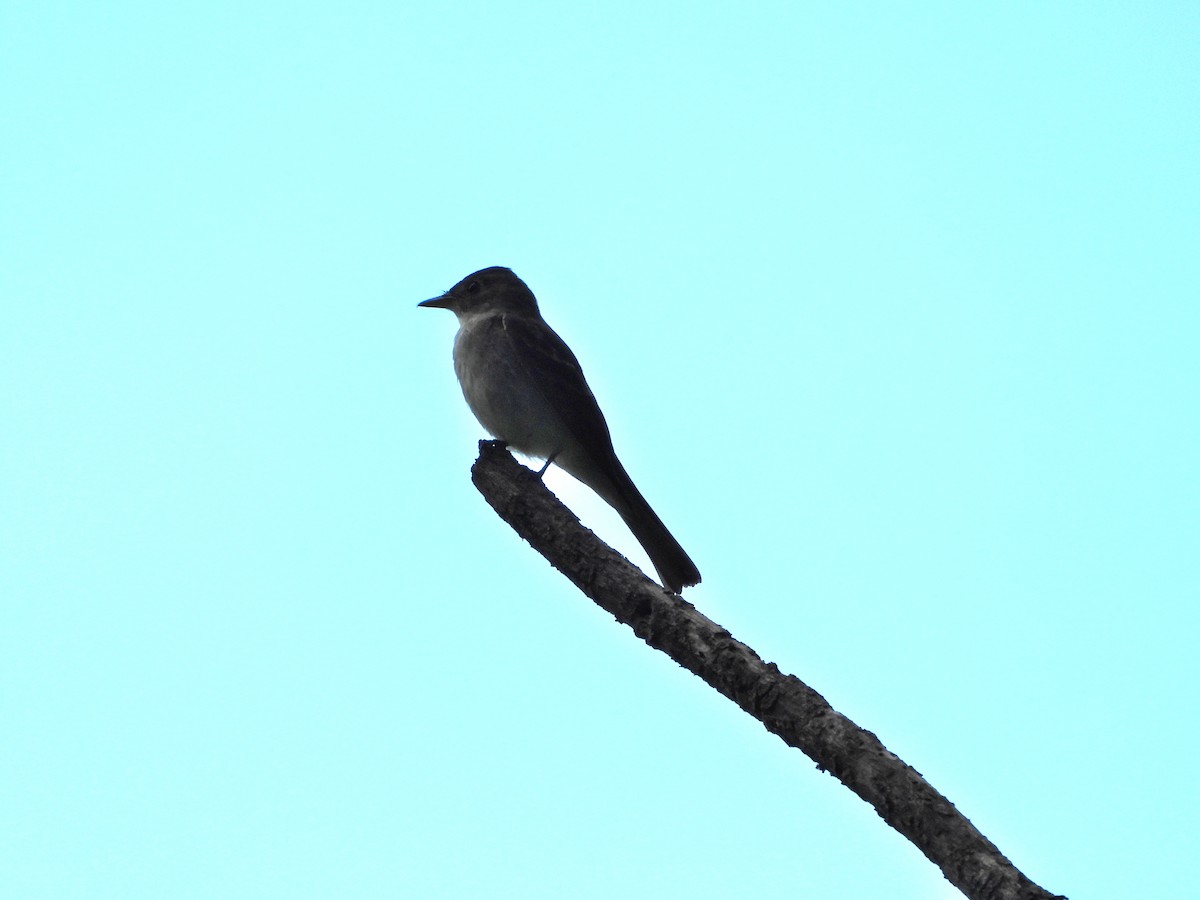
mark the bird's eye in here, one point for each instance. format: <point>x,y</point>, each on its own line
<point>472,287</point>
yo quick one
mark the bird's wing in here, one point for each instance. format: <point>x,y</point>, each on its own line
<point>553,367</point>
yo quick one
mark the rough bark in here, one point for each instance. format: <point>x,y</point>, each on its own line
<point>784,704</point>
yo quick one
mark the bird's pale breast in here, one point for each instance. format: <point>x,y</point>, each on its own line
<point>502,395</point>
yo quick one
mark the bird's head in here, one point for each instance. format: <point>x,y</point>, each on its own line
<point>492,290</point>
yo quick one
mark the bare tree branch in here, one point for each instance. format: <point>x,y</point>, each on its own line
<point>784,704</point>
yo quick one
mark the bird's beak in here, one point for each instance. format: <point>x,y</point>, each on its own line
<point>442,302</point>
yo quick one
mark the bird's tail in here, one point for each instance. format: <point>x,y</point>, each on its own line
<point>675,568</point>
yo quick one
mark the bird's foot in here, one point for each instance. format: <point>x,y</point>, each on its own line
<point>542,470</point>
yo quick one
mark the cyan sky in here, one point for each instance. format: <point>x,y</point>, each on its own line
<point>893,310</point>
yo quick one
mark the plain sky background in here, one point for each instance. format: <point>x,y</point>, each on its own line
<point>894,310</point>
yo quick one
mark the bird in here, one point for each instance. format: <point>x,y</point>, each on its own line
<point>527,389</point>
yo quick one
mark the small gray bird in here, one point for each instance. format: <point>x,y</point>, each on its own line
<point>526,388</point>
